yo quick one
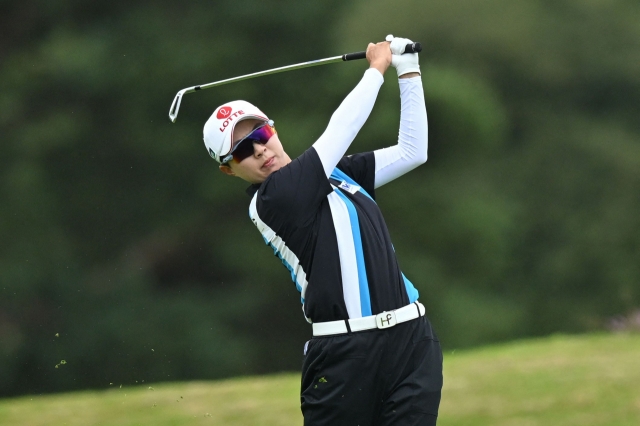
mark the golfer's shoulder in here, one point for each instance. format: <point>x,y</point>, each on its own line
<point>304,170</point>
<point>300,185</point>
<point>284,179</point>
<point>361,168</point>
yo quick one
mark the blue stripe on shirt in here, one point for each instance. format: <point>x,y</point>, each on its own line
<point>363,283</point>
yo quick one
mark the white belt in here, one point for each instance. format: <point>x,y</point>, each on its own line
<point>381,321</point>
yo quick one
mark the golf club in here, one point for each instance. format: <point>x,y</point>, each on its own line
<point>175,105</point>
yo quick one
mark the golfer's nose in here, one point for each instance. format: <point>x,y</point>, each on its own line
<point>258,149</point>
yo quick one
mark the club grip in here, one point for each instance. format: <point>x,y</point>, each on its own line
<point>409,48</point>
<point>413,48</point>
<point>354,56</point>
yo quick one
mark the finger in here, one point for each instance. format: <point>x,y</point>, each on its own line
<point>370,51</point>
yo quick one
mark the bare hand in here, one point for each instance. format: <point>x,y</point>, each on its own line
<point>379,56</point>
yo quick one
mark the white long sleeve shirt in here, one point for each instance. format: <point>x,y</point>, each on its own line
<point>348,119</point>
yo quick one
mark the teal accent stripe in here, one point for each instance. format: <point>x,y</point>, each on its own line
<point>286,264</point>
<point>363,283</point>
<point>411,290</point>
<point>338,174</point>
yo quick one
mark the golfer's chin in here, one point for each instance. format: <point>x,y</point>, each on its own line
<point>259,173</point>
<point>262,174</point>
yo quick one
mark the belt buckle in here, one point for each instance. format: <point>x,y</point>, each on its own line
<point>386,320</point>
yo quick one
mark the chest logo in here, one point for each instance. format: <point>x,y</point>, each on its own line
<point>348,187</point>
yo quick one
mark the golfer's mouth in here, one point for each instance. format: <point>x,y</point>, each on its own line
<point>269,162</point>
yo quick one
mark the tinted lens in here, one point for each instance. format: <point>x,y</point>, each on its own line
<point>244,148</point>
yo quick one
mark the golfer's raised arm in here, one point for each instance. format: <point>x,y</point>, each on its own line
<point>411,150</point>
<point>352,113</point>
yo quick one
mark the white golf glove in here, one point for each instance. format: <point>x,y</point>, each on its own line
<point>406,63</point>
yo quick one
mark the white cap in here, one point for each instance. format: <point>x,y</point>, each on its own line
<point>218,130</point>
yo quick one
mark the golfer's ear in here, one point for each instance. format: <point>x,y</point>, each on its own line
<point>226,170</point>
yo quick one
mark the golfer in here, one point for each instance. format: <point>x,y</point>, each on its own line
<point>374,358</point>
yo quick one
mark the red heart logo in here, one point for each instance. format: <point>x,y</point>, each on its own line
<point>224,112</point>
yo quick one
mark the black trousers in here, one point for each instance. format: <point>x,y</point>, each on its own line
<point>373,378</point>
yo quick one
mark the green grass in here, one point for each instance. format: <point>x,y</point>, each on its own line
<point>586,380</point>
<point>561,380</point>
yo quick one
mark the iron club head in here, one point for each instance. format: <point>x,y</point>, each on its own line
<point>175,105</point>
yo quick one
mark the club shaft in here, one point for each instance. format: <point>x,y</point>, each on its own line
<point>175,105</point>
<point>268,72</point>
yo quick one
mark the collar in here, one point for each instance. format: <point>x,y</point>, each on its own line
<point>252,189</point>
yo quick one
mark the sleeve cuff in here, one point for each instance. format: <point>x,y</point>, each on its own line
<point>375,75</point>
<point>412,80</point>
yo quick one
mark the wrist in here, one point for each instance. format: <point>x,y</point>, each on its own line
<point>410,75</point>
<point>382,67</point>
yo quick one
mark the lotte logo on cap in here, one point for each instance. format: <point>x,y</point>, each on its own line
<point>224,112</point>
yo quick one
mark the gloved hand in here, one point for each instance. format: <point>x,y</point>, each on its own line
<point>406,63</point>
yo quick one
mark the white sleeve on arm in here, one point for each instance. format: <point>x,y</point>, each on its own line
<point>347,120</point>
<point>411,150</point>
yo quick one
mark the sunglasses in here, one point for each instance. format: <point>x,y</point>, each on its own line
<point>244,147</point>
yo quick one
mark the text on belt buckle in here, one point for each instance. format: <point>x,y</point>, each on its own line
<point>386,320</point>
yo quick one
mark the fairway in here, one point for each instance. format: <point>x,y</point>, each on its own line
<point>560,380</point>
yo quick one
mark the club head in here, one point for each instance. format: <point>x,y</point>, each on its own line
<point>175,105</point>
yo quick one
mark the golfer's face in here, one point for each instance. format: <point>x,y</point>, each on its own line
<point>265,160</point>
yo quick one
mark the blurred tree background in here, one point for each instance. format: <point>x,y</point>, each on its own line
<point>127,254</point>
